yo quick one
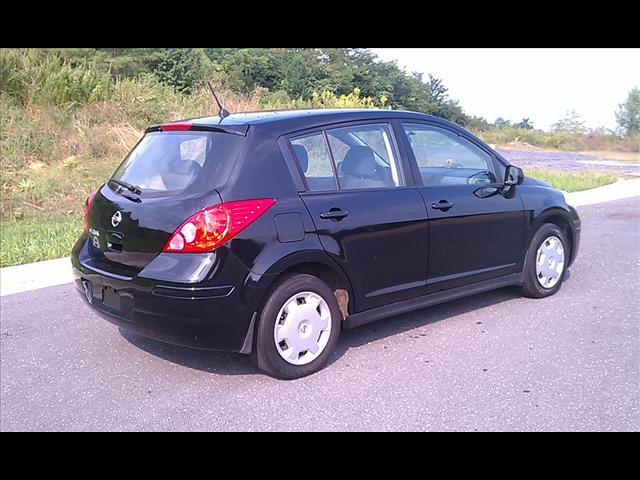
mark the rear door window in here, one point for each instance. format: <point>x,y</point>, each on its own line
<point>365,157</point>
<point>314,159</point>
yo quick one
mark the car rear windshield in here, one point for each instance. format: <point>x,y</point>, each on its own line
<point>165,162</point>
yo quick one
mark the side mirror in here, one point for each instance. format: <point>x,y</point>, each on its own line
<point>513,176</point>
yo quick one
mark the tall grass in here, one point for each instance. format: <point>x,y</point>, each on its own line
<point>33,75</point>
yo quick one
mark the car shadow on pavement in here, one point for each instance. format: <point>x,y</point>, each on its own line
<point>223,363</point>
<point>420,318</point>
<point>220,363</point>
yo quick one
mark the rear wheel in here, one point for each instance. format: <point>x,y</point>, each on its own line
<point>546,262</point>
<point>298,329</point>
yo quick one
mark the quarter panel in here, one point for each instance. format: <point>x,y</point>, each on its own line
<point>260,172</point>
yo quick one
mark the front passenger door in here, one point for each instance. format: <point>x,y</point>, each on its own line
<point>475,231</point>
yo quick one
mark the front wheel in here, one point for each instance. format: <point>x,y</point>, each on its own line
<point>298,329</point>
<point>546,262</point>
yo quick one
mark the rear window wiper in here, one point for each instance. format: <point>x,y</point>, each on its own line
<point>132,188</point>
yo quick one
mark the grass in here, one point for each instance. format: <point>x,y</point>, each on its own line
<point>38,238</point>
<point>572,181</point>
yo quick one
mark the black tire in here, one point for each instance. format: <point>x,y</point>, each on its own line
<point>532,287</point>
<point>265,353</point>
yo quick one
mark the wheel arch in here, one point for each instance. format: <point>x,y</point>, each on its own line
<point>328,274</point>
<point>562,219</point>
<point>311,262</point>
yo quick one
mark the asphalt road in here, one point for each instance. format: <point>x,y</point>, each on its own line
<point>494,361</point>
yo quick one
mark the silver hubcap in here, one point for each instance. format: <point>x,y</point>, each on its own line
<point>550,262</point>
<point>303,328</point>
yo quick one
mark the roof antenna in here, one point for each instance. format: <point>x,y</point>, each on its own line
<point>222,113</point>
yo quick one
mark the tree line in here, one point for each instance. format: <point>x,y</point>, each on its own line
<point>296,73</point>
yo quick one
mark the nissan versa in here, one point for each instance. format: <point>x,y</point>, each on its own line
<point>267,233</point>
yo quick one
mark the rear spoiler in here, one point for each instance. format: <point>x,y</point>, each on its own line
<point>173,126</point>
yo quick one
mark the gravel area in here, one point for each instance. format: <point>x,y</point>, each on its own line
<point>568,161</point>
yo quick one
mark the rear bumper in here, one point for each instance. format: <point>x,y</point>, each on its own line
<point>206,315</point>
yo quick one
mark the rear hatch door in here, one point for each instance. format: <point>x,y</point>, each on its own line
<point>166,178</point>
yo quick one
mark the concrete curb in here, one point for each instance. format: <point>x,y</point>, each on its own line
<point>32,276</point>
<point>49,273</point>
<point>623,188</point>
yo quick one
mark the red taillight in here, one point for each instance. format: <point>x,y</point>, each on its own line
<point>87,204</point>
<point>175,126</point>
<point>214,226</point>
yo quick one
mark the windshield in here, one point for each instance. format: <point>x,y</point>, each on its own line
<point>173,161</point>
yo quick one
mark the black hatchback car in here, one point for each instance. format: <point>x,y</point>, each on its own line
<point>267,233</point>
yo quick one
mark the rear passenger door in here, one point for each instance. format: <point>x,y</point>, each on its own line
<point>368,219</point>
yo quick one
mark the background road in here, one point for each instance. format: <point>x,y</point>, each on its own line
<point>494,361</point>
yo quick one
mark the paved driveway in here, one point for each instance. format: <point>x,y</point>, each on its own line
<point>494,361</point>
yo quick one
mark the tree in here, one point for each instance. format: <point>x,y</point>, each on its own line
<point>182,68</point>
<point>525,124</point>
<point>628,114</point>
<point>294,73</point>
<point>299,72</point>
<point>501,122</point>
<point>478,124</point>
<point>572,122</point>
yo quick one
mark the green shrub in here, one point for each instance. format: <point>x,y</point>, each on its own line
<point>182,68</point>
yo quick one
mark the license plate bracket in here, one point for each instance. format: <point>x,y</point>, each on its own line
<point>111,298</point>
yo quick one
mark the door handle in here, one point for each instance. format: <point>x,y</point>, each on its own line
<point>334,214</point>
<point>442,205</point>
